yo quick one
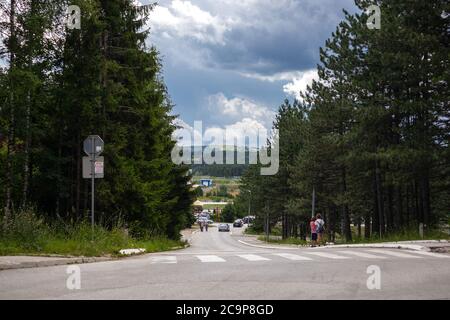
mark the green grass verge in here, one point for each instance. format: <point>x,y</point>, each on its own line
<point>295,241</point>
<point>29,235</point>
<point>409,235</point>
<point>71,247</point>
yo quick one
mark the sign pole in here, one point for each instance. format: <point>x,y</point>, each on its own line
<point>92,184</point>
<point>93,168</point>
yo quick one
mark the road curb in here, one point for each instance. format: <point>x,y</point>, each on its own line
<point>51,263</point>
<point>413,247</point>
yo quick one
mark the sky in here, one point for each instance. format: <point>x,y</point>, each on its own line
<point>231,63</point>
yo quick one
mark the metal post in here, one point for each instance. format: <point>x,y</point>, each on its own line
<point>313,201</point>
<point>93,184</point>
<point>267,223</point>
<point>249,208</point>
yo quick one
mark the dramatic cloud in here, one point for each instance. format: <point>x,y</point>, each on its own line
<point>231,63</point>
<point>263,37</point>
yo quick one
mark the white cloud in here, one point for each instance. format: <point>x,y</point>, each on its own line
<point>300,83</point>
<point>239,130</point>
<point>186,135</point>
<point>182,19</point>
<point>237,108</point>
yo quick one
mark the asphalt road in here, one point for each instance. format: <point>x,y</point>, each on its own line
<point>218,266</point>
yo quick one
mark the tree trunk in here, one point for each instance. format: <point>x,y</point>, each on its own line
<point>418,211</point>
<point>390,211</point>
<point>78,177</point>
<point>345,214</point>
<point>26,165</point>
<point>11,129</point>
<point>375,212</point>
<point>380,204</point>
<point>367,225</point>
<point>359,228</point>
<point>400,207</point>
<point>407,206</point>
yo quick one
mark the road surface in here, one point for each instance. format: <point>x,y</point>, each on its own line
<point>218,266</point>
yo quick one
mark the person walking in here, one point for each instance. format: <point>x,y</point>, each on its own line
<point>312,225</point>
<point>320,223</point>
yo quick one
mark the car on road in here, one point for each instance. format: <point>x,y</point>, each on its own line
<point>238,223</point>
<point>248,219</point>
<point>225,227</point>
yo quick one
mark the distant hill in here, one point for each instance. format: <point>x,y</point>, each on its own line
<point>222,170</point>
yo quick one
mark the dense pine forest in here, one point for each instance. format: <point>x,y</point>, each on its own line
<point>59,85</point>
<point>371,136</point>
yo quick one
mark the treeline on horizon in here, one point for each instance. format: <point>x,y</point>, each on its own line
<point>61,85</point>
<point>371,136</point>
<point>234,169</point>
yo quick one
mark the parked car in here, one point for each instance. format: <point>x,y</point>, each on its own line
<point>238,223</point>
<point>223,227</point>
<point>248,219</point>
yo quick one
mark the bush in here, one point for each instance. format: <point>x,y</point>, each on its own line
<point>28,229</point>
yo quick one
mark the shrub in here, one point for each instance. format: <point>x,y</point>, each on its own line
<point>28,229</point>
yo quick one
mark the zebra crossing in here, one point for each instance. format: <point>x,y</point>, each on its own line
<point>305,256</point>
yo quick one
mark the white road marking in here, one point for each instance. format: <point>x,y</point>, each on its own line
<point>432,254</point>
<point>210,258</point>
<point>164,259</point>
<point>361,254</point>
<point>291,256</point>
<point>395,253</point>
<point>327,255</point>
<point>252,257</point>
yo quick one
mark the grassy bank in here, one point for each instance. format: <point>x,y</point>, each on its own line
<point>29,235</point>
<point>407,235</point>
<point>295,241</point>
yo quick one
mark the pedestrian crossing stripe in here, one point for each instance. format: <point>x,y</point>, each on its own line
<point>252,257</point>
<point>210,258</point>
<point>432,254</point>
<point>291,256</point>
<point>343,254</point>
<point>327,255</point>
<point>361,254</point>
<point>395,254</point>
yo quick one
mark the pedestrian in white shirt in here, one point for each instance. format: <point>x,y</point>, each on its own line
<point>319,228</point>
